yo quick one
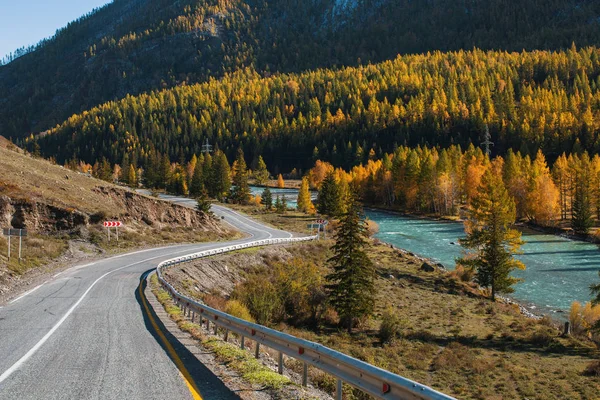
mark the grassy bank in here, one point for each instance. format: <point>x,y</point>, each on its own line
<point>449,336</point>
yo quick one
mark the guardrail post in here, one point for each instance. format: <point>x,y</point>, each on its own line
<point>226,334</point>
<point>280,364</point>
<point>338,390</point>
<point>208,324</point>
<point>305,375</point>
<point>193,316</point>
<point>257,350</point>
<point>216,327</point>
<point>243,344</point>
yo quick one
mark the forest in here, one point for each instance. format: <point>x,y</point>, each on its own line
<point>134,46</point>
<point>528,101</point>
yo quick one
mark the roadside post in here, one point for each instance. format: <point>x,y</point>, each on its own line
<point>112,224</point>
<point>20,233</point>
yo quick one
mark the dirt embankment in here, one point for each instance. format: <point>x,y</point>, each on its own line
<point>41,217</point>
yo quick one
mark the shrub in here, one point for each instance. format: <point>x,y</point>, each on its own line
<point>593,369</point>
<point>239,310</point>
<point>463,274</point>
<point>391,326</point>
<point>261,298</point>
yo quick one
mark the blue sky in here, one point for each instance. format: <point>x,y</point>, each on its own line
<point>26,22</point>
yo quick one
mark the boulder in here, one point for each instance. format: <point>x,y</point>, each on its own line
<point>427,267</point>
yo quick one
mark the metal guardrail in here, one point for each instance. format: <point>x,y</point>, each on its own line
<point>375,381</point>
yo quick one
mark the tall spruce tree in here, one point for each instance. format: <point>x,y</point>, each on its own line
<point>262,173</point>
<point>240,193</point>
<point>490,217</point>
<point>197,184</point>
<point>351,285</point>
<point>266,198</point>
<point>328,202</point>
<point>220,182</point>
<point>581,218</point>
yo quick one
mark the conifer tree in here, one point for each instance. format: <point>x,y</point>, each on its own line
<point>197,184</point>
<point>351,285</point>
<point>203,203</point>
<point>581,218</point>
<point>490,217</point>
<point>132,176</point>
<point>220,182</point>
<point>328,202</point>
<point>304,201</point>
<point>262,173</point>
<point>240,193</point>
<point>266,198</point>
<point>124,177</point>
<point>278,204</point>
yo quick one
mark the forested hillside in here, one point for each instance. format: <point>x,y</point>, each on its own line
<point>528,101</point>
<point>133,46</point>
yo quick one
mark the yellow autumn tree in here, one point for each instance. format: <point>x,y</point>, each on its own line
<point>305,204</point>
<point>543,195</point>
<point>280,182</point>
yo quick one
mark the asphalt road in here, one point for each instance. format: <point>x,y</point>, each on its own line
<point>84,334</point>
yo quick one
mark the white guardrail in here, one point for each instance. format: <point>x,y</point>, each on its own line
<point>375,381</point>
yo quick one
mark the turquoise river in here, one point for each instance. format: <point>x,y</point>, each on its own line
<point>558,272</point>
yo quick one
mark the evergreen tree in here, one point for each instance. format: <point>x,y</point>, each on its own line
<point>262,173</point>
<point>304,201</point>
<point>220,177</point>
<point>283,204</point>
<point>278,204</point>
<point>266,198</point>
<point>490,216</point>
<point>328,202</point>
<point>124,176</point>
<point>351,285</point>
<point>581,218</point>
<point>197,184</point>
<point>203,203</point>
<point>240,193</point>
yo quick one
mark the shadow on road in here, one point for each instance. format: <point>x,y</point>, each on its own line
<point>208,384</point>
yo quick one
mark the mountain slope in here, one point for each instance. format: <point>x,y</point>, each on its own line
<point>132,46</point>
<point>529,101</point>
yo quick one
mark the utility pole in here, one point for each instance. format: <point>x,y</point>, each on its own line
<point>206,147</point>
<point>487,141</point>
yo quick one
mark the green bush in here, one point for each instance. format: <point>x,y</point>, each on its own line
<point>239,310</point>
<point>261,298</point>
<point>391,326</point>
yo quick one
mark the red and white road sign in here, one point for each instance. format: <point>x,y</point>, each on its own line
<point>113,224</point>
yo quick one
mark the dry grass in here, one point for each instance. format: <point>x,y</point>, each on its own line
<point>453,339</point>
<point>22,176</point>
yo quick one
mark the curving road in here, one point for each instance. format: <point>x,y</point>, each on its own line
<point>85,334</point>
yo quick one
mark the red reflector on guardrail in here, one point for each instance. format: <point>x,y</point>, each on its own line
<point>216,317</point>
<point>386,388</point>
<point>301,350</point>
<point>253,332</point>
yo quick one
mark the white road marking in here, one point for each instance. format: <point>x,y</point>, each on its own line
<point>43,340</point>
<point>28,292</point>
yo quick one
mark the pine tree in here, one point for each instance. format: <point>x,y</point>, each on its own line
<point>220,182</point>
<point>203,203</point>
<point>197,184</point>
<point>124,177</point>
<point>304,201</point>
<point>490,216</point>
<point>278,204</point>
<point>283,204</point>
<point>351,285</point>
<point>266,198</point>
<point>328,202</point>
<point>240,193</point>
<point>262,173</point>
<point>581,219</point>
